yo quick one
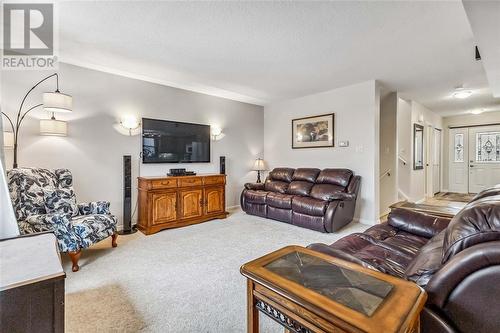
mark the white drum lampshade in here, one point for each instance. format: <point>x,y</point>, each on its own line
<point>57,102</point>
<point>53,127</point>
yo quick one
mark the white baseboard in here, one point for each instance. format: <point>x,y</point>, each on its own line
<point>233,209</point>
<point>364,221</point>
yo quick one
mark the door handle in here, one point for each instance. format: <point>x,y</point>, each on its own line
<point>471,166</point>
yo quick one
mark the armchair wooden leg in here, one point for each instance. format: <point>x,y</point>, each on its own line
<point>113,240</point>
<point>74,260</point>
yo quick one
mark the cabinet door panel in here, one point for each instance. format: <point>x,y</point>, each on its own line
<point>191,203</point>
<point>214,200</point>
<point>164,207</point>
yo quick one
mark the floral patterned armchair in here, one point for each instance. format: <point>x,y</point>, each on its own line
<point>44,200</point>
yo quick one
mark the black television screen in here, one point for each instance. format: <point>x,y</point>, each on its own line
<point>166,141</point>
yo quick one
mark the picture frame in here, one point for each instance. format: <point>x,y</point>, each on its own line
<point>314,131</point>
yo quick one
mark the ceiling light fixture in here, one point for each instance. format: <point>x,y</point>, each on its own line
<point>477,111</point>
<point>462,93</point>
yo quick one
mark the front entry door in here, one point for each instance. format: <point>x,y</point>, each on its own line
<point>484,157</point>
<point>458,160</point>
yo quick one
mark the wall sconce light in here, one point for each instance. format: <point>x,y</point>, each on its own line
<point>53,127</point>
<point>130,123</point>
<point>8,140</point>
<point>216,133</point>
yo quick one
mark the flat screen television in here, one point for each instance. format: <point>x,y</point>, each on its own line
<point>166,141</point>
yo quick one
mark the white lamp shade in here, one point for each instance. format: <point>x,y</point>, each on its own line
<point>259,165</point>
<point>57,102</point>
<point>8,140</point>
<point>53,127</point>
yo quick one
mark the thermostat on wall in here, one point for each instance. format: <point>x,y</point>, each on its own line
<point>344,143</point>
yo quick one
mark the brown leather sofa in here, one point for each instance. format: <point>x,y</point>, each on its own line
<point>456,261</point>
<point>322,200</point>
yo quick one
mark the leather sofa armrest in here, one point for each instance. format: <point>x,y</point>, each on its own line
<point>254,186</point>
<point>417,223</point>
<point>461,266</point>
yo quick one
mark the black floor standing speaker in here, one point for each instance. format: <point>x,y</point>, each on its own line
<point>222,160</point>
<point>127,196</point>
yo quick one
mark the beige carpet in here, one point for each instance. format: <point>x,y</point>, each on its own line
<point>179,280</point>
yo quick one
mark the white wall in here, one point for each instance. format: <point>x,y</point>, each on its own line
<point>388,152</point>
<point>412,182</point>
<point>93,149</point>
<point>356,111</point>
<point>404,129</point>
<point>462,120</point>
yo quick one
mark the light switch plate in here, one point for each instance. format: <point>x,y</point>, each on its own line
<point>344,143</point>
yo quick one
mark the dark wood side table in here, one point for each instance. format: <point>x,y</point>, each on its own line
<point>31,285</point>
<point>306,291</point>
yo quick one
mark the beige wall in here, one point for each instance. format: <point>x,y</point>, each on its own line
<point>462,120</point>
<point>356,109</point>
<point>412,183</point>
<point>388,151</point>
<point>93,148</point>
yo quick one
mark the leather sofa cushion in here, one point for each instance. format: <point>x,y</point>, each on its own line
<point>254,186</point>
<point>282,174</point>
<point>276,186</point>
<point>324,191</point>
<point>417,223</point>
<point>299,188</point>
<point>427,261</point>
<point>256,197</point>
<point>340,177</point>
<point>309,206</point>
<point>306,174</point>
<point>477,222</point>
<point>381,247</point>
<point>279,200</point>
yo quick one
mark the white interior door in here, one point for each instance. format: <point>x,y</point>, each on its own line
<point>436,161</point>
<point>429,167</point>
<point>484,157</point>
<point>458,160</point>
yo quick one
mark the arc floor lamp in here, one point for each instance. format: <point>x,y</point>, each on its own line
<point>52,102</point>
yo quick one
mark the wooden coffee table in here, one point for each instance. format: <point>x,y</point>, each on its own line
<point>307,291</point>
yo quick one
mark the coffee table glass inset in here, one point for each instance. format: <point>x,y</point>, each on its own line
<point>356,290</point>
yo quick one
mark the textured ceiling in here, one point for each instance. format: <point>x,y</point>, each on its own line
<point>262,52</point>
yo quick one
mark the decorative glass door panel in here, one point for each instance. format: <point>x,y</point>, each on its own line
<point>484,157</point>
<point>488,147</point>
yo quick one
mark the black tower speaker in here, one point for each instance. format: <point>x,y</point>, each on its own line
<point>222,161</point>
<point>127,196</point>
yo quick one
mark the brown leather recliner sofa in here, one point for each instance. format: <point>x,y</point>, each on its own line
<point>456,261</point>
<point>322,200</point>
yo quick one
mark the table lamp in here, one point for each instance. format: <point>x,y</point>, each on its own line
<point>259,166</point>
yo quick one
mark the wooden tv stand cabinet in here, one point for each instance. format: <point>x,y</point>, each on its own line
<point>171,202</point>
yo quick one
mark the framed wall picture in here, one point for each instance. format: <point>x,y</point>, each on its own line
<point>313,132</point>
